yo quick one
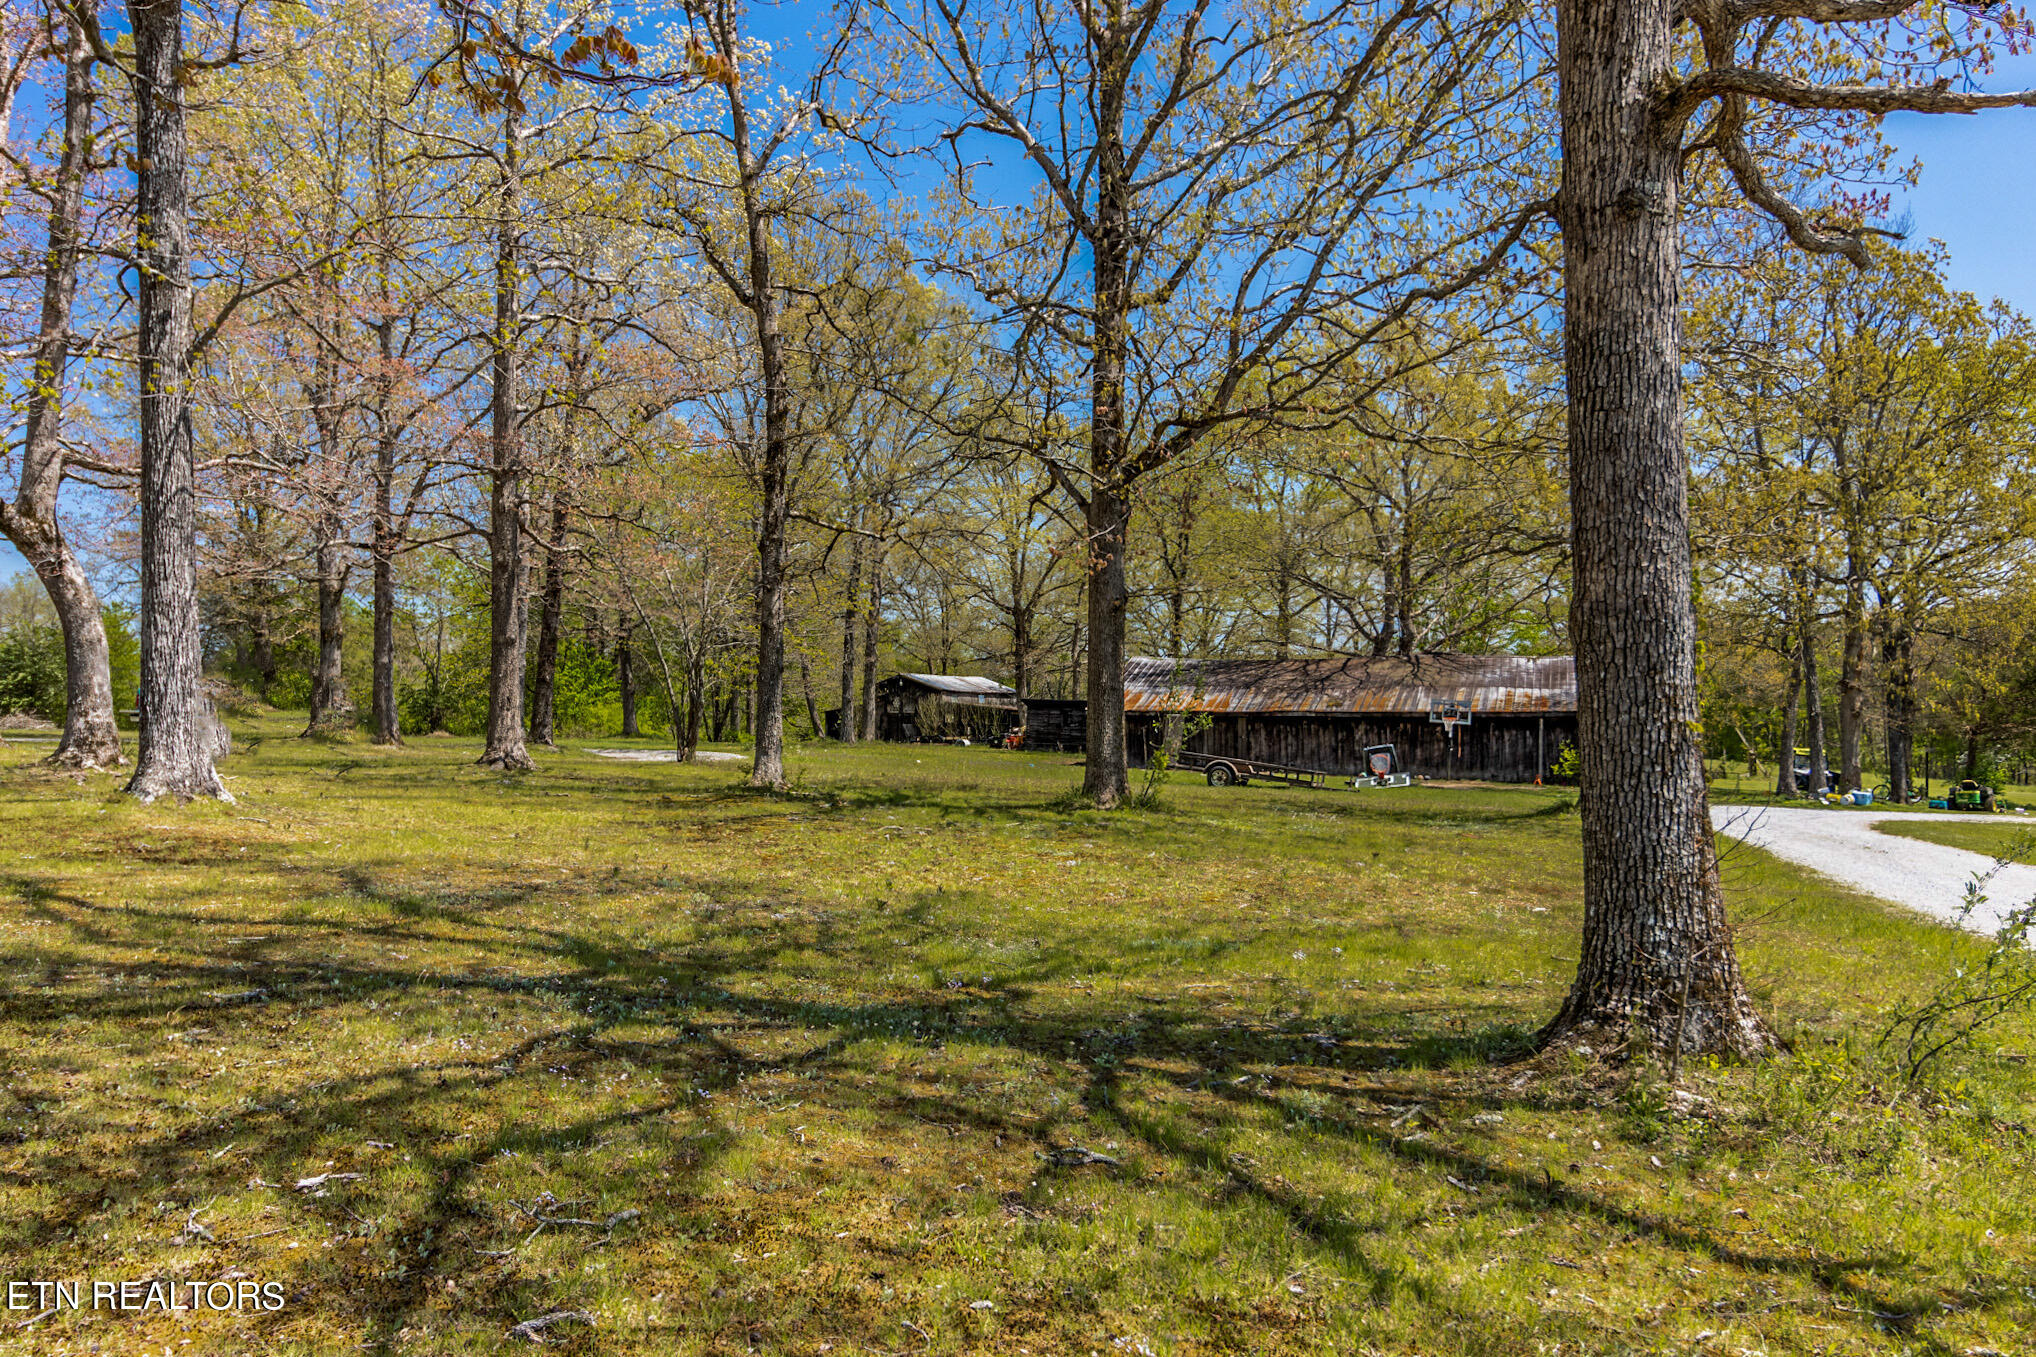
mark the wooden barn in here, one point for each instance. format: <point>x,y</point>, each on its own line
<point>912,707</point>
<point>1323,713</point>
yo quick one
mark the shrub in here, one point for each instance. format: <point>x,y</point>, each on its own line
<point>32,670</point>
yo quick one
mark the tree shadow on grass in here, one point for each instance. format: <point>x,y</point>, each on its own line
<point>695,996</point>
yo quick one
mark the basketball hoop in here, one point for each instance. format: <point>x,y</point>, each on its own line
<point>1450,716</point>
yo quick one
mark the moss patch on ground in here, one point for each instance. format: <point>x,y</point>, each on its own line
<point>441,1051</point>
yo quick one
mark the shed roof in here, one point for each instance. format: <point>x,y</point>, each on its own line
<point>1497,684</point>
<point>968,685</point>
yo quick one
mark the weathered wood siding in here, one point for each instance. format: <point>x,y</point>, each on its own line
<point>1489,749</point>
<point>1057,723</point>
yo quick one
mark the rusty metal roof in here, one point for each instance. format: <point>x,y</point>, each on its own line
<point>1497,684</point>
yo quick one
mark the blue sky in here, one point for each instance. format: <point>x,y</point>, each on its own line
<point>1978,194</point>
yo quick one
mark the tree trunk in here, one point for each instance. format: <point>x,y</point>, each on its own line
<point>1105,779</point>
<point>90,738</point>
<point>331,707</point>
<point>1021,660</point>
<point>1657,967</point>
<point>177,725</point>
<point>806,686</point>
<point>1899,668</point>
<point>1283,613</point>
<point>1852,686</point>
<point>1785,782</point>
<point>696,694</point>
<point>382,549</point>
<point>774,513</point>
<point>872,641</point>
<point>1813,711</point>
<point>1403,596</point>
<point>849,637</point>
<point>625,677</point>
<point>507,617</point>
<point>544,684</point>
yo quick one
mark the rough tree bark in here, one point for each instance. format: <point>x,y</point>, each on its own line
<point>507,621</point>
<point>178,730</point>
<point>90,738</point>
<point>385,542</point>
<point>774,477</point>
<point>1657,967</point>
<point>1105,776</point>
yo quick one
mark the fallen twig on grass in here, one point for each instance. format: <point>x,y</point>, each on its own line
<point>192,1229</point>
<point>533,1329</point>
<point>541,1207</point>
<point>1075,1156</point>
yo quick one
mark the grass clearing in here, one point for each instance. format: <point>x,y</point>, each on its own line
<point>831,1046</point>
<point>2014,839</point>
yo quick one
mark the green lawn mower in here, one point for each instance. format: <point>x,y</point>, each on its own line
<point>1970,795</point>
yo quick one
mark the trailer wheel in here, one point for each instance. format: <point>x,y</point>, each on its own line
<point>1221,775</point>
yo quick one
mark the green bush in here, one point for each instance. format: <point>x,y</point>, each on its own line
<point>32,670</point>
<point>584,686</point>
<point>1990,773</point>
<point>291,690</point>
<point>451,696</point>
<point>123,653</point>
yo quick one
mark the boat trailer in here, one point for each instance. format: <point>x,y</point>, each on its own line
<point>1381,761</point>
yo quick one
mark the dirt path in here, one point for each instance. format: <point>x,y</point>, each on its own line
<point>1844,846</point>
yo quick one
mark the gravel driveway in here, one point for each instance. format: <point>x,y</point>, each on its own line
<point>1844,846</point>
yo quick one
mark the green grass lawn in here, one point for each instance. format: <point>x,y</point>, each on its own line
<point>735,1072</point>
<point>2014,839</point>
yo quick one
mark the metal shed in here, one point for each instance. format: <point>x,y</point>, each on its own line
<point>940,706</point>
